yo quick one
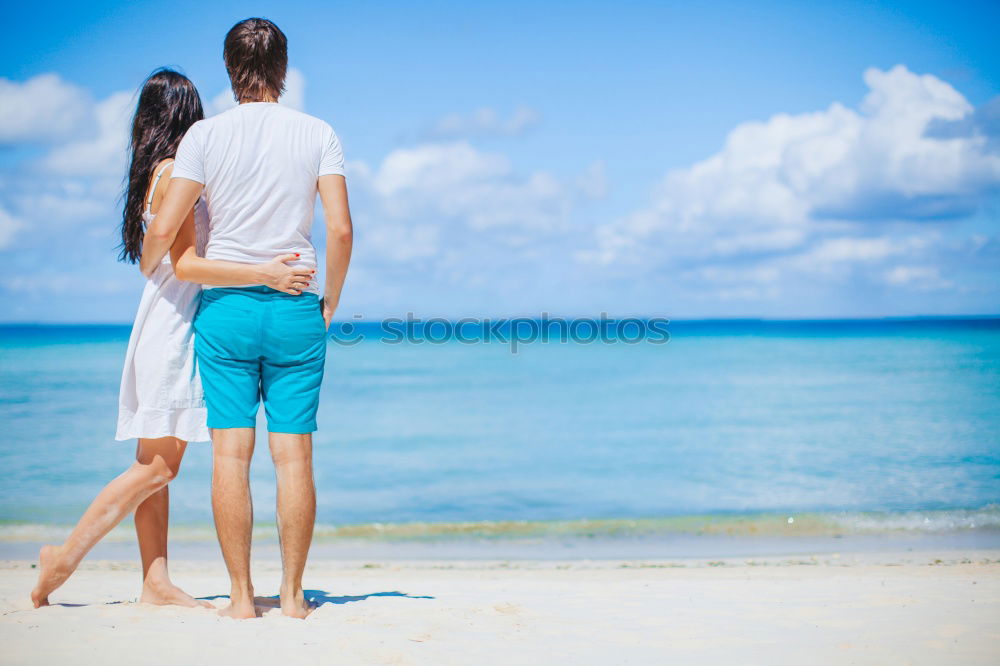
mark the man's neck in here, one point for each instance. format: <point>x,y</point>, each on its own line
<point>269,100</point>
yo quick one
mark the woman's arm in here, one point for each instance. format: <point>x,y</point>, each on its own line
<point>339,239</point>
<point>177,204</point>
<point>275,274</point>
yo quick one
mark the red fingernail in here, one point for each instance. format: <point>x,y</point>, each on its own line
<point>296,254</point>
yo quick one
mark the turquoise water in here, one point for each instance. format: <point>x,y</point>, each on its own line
<point>728,419</point>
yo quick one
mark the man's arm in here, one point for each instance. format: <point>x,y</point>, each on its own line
<point>339,239</point>
<point>275,274</point>
<point>177,204</point>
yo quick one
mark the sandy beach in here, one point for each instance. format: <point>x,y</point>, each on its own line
<point>837,608</point>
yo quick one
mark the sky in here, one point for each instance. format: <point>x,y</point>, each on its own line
<point>683,160</point>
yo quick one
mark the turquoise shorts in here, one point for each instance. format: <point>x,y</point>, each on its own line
<point>253,343</point>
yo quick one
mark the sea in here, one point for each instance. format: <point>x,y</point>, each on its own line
<point>736,435</point>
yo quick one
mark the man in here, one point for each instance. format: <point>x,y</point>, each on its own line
<point>259,167</point>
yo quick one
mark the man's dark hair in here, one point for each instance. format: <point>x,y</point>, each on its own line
<point>256,54</point>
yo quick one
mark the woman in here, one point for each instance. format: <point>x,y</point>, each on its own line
<point>161,402</point>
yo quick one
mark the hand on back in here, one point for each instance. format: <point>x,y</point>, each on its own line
<point>289,279</point>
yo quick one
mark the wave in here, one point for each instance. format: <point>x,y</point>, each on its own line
<point>734,525</point>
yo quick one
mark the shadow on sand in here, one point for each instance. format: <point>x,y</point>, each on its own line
<point>319,598</point>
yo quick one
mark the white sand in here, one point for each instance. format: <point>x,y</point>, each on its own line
<point>909,608</point>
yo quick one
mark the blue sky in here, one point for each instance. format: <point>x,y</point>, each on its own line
<point>727,159</point>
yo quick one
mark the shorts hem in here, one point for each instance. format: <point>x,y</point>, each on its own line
<point>292,428</point>
<point>223,425</point>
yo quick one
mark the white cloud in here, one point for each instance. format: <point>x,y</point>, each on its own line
<point>454,181</point>
<point>776,182</point>
<point>82,176</point>
<point>436,167</point>
<point>839,258</point>
<point>457,214</point>
<point>723,274</point>
<point>66,283</point>
<point>405,242</point>
<point>43,108</point>
<point>593,182</point>
<point>79,179</point>
<point>446,200</point>
<point>103,154</point>
<point>223,101</point>
<point>358,169</point>
<point>485,121</point>
<point>924,277</point>
<point>850,204</point>
<point>801,214</point>
<point>836,250</point>
<point>68,200</point>
<point>295,94</point>
<point>295,90</point>
<point>8,227</point>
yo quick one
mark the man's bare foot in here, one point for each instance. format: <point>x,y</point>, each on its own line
<point>165,593</point>
<point>294,604</point>
<point>241,607</point>
<point>50,575</point>
<point>242,611</point>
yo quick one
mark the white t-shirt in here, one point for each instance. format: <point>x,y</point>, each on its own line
<point>259,163</point>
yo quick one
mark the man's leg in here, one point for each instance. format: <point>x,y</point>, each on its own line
<point>292,455</point>
<point>233,511</point>
<point>227,343</point>
<point>291,375</point>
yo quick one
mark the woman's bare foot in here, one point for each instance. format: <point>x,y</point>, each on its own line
<point>50,575</point>
<point>294,604</point>
<point>165,593</point>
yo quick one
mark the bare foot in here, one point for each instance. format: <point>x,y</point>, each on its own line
<point>165,593</point>
<point>240,607</point>
<point>243,611</point>
<point>294,604</point>
<point>50,575</point>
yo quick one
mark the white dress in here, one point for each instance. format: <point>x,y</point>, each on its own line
<point>161,394</point>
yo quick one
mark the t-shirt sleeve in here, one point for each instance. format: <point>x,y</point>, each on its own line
<point>190,159</point>
<point>332,161</point>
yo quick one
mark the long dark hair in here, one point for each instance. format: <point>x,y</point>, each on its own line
<point>168,105</point>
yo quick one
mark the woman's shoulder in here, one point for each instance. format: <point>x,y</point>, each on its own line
<point>164,166</point>
<point>161,172</point>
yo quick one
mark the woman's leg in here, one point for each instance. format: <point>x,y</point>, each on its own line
<point>157,462</point>
<point>151,520</point>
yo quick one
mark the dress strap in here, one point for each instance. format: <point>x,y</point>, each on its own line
<point>156,181</point>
